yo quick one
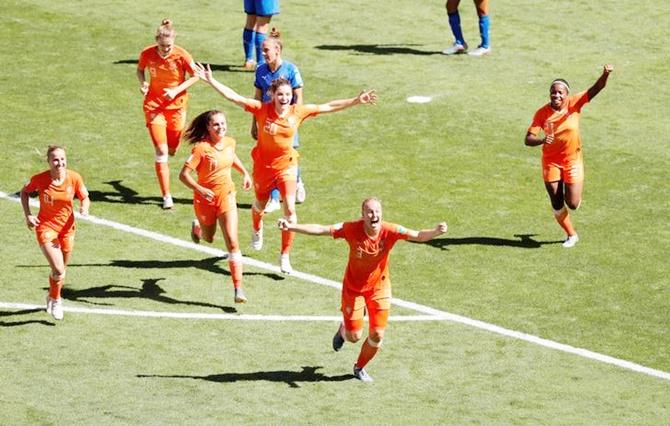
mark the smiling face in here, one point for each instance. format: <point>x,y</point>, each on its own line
<point>558,93</point>
<point>372,216</point>
<point>282,96</point>
<point>217,127</point>
<point>57,161</point>
<point>164,46</point>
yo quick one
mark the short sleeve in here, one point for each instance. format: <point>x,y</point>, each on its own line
<point>579,100</point>
<point>193,160</point>
<point>337,230</point>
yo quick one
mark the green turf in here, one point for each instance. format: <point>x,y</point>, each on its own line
<point>69,79</point>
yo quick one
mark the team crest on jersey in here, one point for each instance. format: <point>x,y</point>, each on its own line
<point>370,248</point>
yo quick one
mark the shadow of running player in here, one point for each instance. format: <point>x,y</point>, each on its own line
<point>291,378</point>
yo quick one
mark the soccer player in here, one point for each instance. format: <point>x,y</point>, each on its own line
<point>366,281</point>
<point>275,67</point>
<point>165,99</point>
<point>54,224</point>
<point>275,159</point>
<point>259,13</point>
<point>562,163</point>
<point>212,157</point>
<point>460,46</point>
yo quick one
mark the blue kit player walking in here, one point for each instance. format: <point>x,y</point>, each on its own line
<point>259,13</point>
<point>460,46</point>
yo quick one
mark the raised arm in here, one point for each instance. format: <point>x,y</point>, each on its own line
<point>365,97</point>
<point>225,91</point>
<point>307,229</point>
<point>427,234</point>
<point>601,82</point>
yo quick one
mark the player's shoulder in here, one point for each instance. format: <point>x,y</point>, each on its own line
<point>229,140</point>
<point>149,50</point>
<point>74,176</point>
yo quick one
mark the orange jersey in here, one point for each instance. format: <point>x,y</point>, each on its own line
<point>567,143</point>
<point>213,165</point>
<point>368,269</point>
<point>165,73</point>
<point>56,211</point>
<point>274,147</point>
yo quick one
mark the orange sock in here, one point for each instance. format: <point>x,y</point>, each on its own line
<point>256,219</point>
<point>563,218</point>
<point>286,241</point>
<point>367,353</point>
<point>55,287</point>
<point>163,175</point>
<point>235,266</point>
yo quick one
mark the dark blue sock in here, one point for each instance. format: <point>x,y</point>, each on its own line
<point>484,25</point>
<point>258,41</point>
<point>248,43</point>
<point>455,24</point>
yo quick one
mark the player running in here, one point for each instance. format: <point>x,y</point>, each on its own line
<point>275,159</point>
<point>54,224</point>
<point>366,281</point>
<point>165,99</point>
<point>562,163</point>
<point>212,157</point>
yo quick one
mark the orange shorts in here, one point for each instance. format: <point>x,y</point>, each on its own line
<point>266,179</point>
<point>208,211</point>
<point>172,119</point>
<point>571,171</point>
<point>64,238</point>
<point>378,303</point>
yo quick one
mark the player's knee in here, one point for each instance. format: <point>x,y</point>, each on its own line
<point>58,274</point>
<point>353,336</point>
<point>573,204</point>
<point>375,338</point>
<point>161,158</point>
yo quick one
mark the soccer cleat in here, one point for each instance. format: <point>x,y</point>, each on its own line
<point>571,241</point>
<point>338,340</point>
<point>257,239</point>
<point>249,65</point>
<point>300,193</point>
<point>480,51</point>
<point>49,304</point>
<point>196,231</point>
<point>285,264</point>
<point>57,309</point>
<point>455,49</point>
<point>167,202</point>
<point>272,205</point>
<point>239,296</point>
<point>362,375</point>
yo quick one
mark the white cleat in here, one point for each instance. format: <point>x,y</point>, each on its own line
<point>480,51</point>
<point>272,205</point>
<point>57,309</point>
<point>362,375</point>
<point>455,49</point>
<point>168,203</point>
<point>285,264</point>
<point>240,297</point>
<point>571,241</point>
<point>257,239</point>
<point>300,192</point>
<point>49,304</point>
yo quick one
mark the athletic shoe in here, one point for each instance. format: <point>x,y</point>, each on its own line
<point>285,264</point>
<point>571,241</point>
<point>57,308</point>
<point>300,193</point>
<point>196,231</point>
<point>272,205</point>
<point>239,296</point>
<point>338,340</point>
<point>49,304</point>
<point>455,49</point>
<point>167,202</point>
<point>257,239</point>
<point>362,375</point>
<point>480,51</point>
<point>249,65</point>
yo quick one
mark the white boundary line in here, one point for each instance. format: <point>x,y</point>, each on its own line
<point>434,314</point>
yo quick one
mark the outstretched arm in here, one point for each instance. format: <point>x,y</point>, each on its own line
<point>225,91</point>
<point>427,234</point>
<point>365,97</point>
<point>601,82</point>
<point>307,229</point>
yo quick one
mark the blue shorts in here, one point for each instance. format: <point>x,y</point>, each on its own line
<point>261,7</point>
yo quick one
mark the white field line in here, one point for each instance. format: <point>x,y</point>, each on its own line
<point>434,314</point>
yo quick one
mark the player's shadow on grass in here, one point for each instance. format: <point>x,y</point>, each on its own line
<point>379,49</point>
<point>26,322</point>
<point>150,290</point>
<point>214,67</point>
<point>291,378</point>
<point>521,241</point>
<point>125,195</point>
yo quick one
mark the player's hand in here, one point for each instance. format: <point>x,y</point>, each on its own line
<point>32,221</point>
<point>170,93</point>
<point>549,138</point>
<point>144,88</point>
<point>83,212</point>
<point>246,182</point>
<point>608,68</point>
<point>207,194</point>
<point>441,228</point>
<point>367,97</point>
<point>282,224</point>
<point>203,73</point>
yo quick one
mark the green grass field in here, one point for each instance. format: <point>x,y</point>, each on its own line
<point>70,79</point>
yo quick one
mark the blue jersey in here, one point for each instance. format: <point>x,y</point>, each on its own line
<point>265,77</point>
